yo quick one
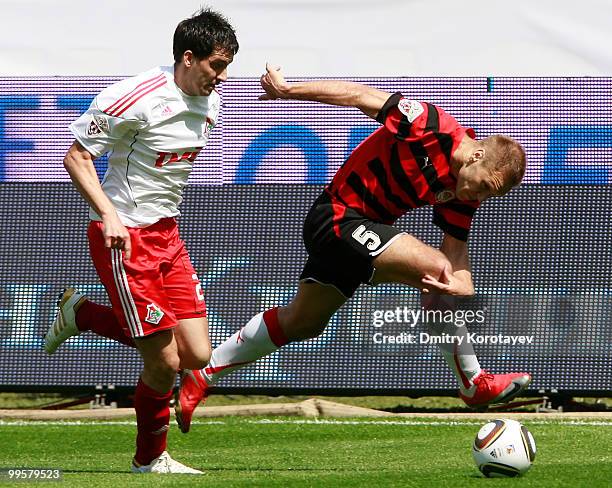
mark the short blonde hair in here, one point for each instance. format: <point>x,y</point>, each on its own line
<point>504,154</point>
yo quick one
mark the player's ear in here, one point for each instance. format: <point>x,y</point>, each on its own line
<point>188,58</point>
<point>478,155</point>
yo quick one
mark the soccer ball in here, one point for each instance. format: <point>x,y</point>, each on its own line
<point>503,448</point>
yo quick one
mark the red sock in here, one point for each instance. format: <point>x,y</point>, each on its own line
<point>277,336</point>
<point>152,418</point>
<point>101,320</point>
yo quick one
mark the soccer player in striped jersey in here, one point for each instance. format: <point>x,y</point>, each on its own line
<point>419,156</point>
<point>154,125</point>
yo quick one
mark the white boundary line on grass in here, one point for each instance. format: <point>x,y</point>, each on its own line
<point>408,423</point>
<point>423,422</point>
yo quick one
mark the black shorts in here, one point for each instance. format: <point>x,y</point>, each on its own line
<point>345,260</point>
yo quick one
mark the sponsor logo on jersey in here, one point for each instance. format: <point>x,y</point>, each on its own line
<point>163,110</point>
<point>164,158</point>
<point>410,108</point>
<point>154,314</point>
<point>97,125</point>
<point>444,196</point>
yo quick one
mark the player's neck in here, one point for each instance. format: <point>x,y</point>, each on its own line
<point>180,81</point>
<point>462,154</point>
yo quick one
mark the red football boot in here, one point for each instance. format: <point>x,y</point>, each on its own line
<point>489,389</point>
<point>192,390</point>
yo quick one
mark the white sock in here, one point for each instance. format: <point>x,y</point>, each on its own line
<point>261,336</point>
<point>461,358</point>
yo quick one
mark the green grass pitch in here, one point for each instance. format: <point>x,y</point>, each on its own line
<point>296,452</point>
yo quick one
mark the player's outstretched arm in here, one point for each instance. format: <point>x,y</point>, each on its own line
<point>79,164</point>
<point>457,281</point>
<point>333,92</point>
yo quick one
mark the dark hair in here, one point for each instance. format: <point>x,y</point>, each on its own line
<point>203,33</point>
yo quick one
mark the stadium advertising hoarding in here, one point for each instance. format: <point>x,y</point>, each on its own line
<point>540,255</point>
<point>564,124</point>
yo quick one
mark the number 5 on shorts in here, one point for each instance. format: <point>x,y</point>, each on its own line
<point>369,239</point>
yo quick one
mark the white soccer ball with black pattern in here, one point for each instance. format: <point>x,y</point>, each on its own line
<point>503,448</point>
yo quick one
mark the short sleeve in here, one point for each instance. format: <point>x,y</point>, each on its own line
<point>455,217</point>
<point>410,120</point>
<point>98,132</point>
<point>402,117</point>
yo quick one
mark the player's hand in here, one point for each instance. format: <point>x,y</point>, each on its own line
<point>116,235</point>
<point>273,83</point>
<point>457,284</point>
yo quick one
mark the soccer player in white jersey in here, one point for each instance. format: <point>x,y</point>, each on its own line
<point>154,125</point>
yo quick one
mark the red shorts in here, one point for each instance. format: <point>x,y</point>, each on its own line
<point>157,286</point>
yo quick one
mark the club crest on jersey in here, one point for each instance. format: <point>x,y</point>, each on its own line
<point>444,196</point>
<point>410,108</point>
<point>97,125</point>
<point>154,314</point>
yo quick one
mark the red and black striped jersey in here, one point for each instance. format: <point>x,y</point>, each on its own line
<point>405,164</point>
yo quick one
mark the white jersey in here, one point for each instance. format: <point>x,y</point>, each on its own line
<point>155,131</point>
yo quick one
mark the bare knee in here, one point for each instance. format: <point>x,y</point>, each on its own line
<point>165,367</point>
<point>193,343</point>
<point>408,261</point>
<point>160,374</point>
<point>196,358</point>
